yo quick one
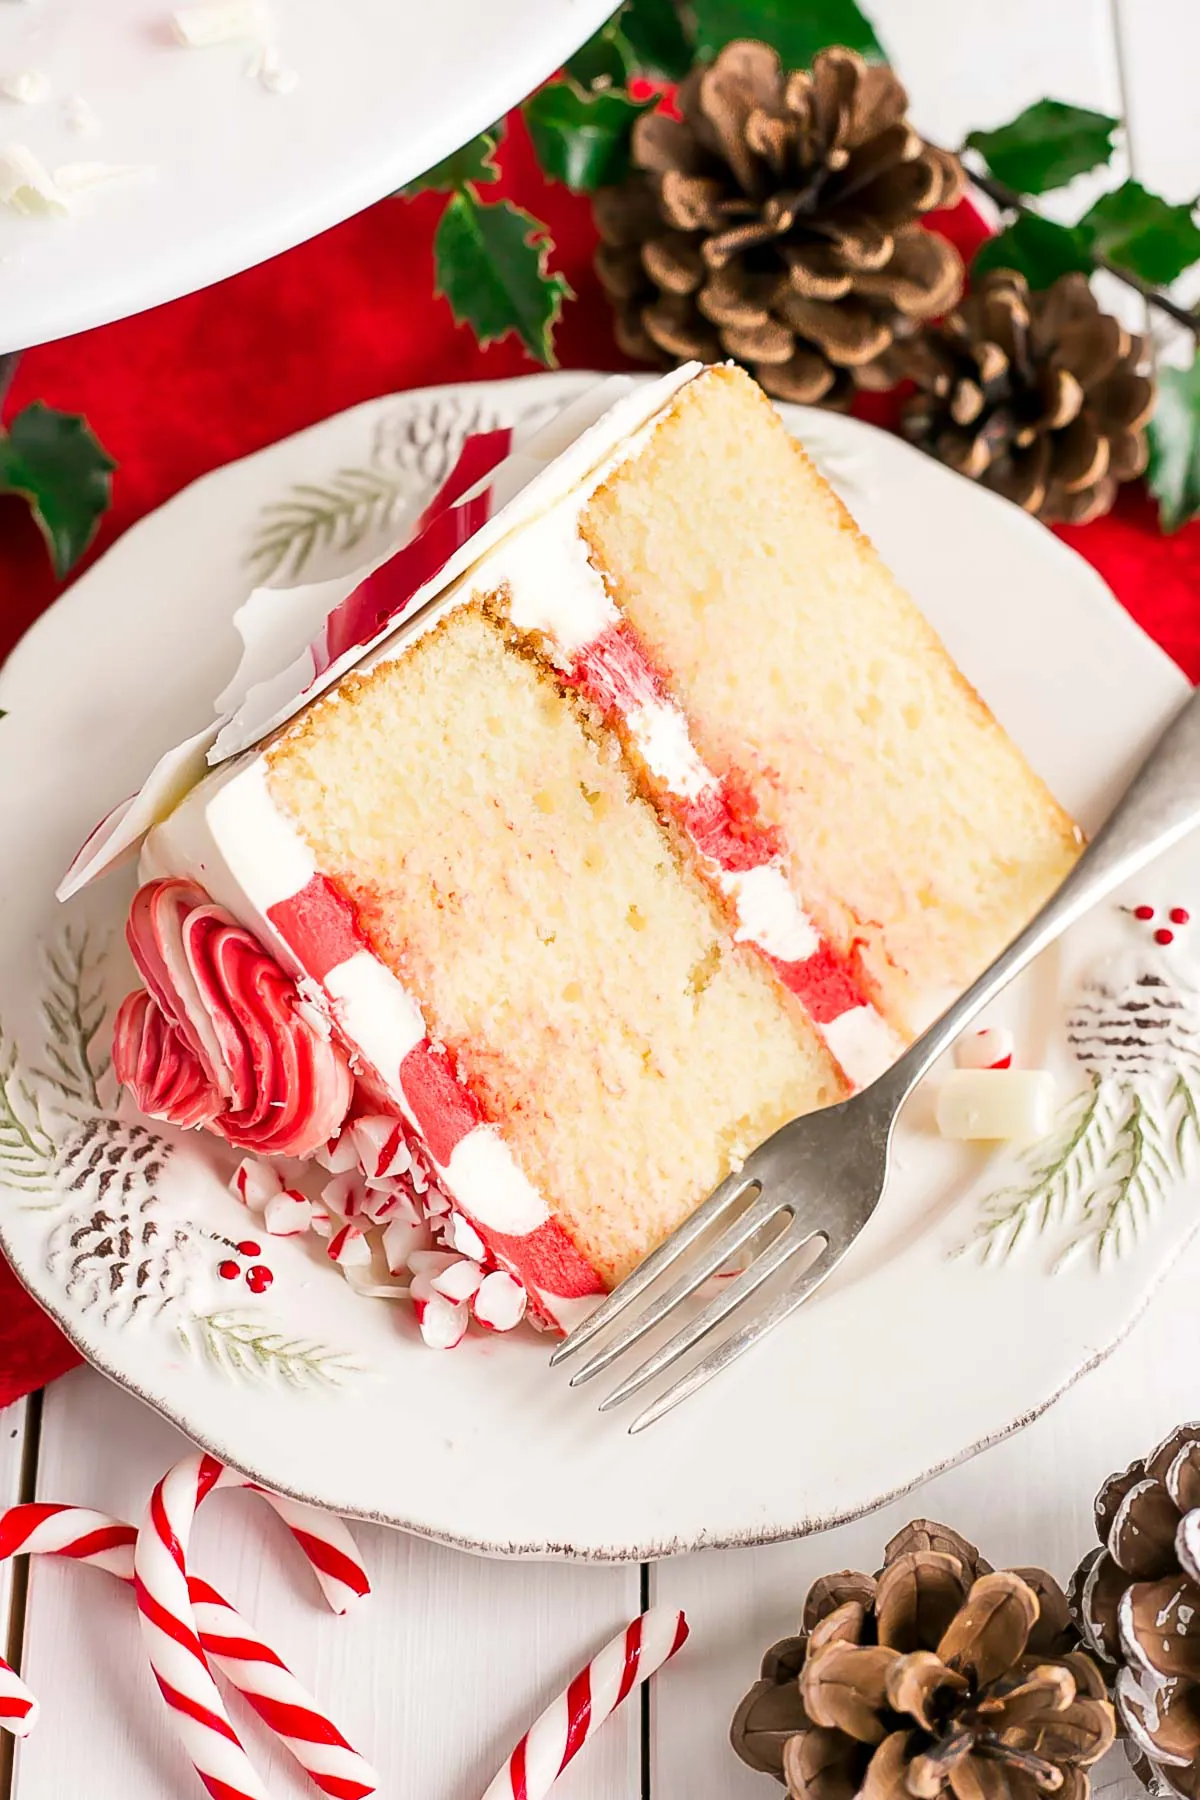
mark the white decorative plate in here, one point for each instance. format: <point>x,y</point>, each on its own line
<point>982,1288</point>
<point>223,173</point>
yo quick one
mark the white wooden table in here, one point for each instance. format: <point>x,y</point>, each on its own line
<point>439,1673</point>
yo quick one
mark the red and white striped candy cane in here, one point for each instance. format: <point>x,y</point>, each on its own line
<point>74,1531</point>
<point>568,1723</point>
<point>172,1633</point>
<point>243,1658</point>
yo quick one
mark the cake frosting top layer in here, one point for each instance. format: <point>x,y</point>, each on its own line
<point>295,652</point>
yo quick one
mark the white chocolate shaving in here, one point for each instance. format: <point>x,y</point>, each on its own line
<point>996,1103</point>
<point>27,185</point>
<point>208,22</point>
<point>27,86</point>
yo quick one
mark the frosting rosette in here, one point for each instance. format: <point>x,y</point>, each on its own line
<point>220,1035</point>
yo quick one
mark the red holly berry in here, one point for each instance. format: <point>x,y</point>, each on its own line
<point>1143,912</point>
<point>249,1248</point>
<point>228,1271</point>
<point>1180,915</point>
<point>1164,935</point>
<point>259,1278</point>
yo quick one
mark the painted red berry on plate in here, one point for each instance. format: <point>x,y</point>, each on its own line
<point>228,1271</point>
<point>259,1278</point>
<point>1143,912</point>
<point>1180,915</point>
<point>249,1248</point>
<point>1164,935</point>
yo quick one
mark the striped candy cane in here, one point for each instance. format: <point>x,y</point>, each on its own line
<point>246,1662</point>
<point>570,1721</point>
<point>171,1629</point>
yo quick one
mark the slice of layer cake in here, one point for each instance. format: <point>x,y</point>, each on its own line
<point>665,821</point>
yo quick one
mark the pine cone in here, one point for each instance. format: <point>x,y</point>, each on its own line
<point>776,222</point>
<point>1042,397</point>
<point>936,1677</point>
<point>1137,1601</point>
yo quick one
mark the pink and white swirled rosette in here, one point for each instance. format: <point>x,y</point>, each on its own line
<point>171,1627</point>
<point>569,1722</point>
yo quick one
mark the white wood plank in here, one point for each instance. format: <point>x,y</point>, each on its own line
<point>13,1425</point>
<point>1160,53</point>
<point>968,65</point>
<point>1159,42</point>
<point>1027,1500</point>
<point>434,1678</point>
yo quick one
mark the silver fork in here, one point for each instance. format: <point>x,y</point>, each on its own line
<point>827,1170</point>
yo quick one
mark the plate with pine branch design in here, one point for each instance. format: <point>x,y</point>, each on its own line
<point>128,1234</point>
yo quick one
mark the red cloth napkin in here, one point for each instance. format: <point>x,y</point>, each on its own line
<point>180,390</point>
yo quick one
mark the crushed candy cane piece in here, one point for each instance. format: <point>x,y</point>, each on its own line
<point>26,185</point>
<point>322,1222</point>
<point>27,86</point>
<point>459,1234</point>
<point>431,1262</point>
<point>339,1155</point>
<point>255,1182</point>
<point>204,23</point>
<point>442,1324</point>
<point>996,1103</point>
<point>287,1214</point>
<point>991,1048</point>
<point>381,1143</point>
<point>500,1301</point>
<point>401,1241</point>
<point>349,1247</point>
<point>459,1281</point>
<point>345,1195</point>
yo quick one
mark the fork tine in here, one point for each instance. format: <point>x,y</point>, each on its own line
<point>748,1282</point>
<point>740,1232</point>
<point>668,1252</point>
<point>732,1347</point>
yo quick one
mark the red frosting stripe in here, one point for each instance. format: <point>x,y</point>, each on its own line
<point>722,821</point>
<point>445,1110</point>
<point>545,1258</point>
<point>614,673</point>
<point>319,926</point>
<point>823,982</point>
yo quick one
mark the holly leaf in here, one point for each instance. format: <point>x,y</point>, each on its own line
<point>1173,472</point>
<point>582,139</point>
<point>796,31</point>
<point>1143,233</point>
<point>1046,146</point>
<point>1036,248</point>
<point>490,264</point>
<point>55,461</point>
<point>605,61</point>
<point>476,161</point>
<point>656,36</point>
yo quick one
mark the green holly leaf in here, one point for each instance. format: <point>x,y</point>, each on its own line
<point>582,139</point>
<point>1046,146</point>
<point>1173,473</point>
<point>490,264</point>
<point>1038,249</point>
<point>605,61</point>
<point>476,161</point>
<point>55,461</point>
<point>656,36</point>
<point>796,31</point>
<point>1143,233</point>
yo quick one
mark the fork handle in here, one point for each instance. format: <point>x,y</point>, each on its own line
<point>1160,806</point>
